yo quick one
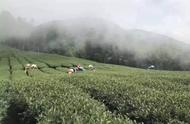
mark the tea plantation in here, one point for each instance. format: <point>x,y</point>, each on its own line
<point>111,95</point>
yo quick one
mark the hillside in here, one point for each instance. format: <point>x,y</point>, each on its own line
<point>112,94</point>
<point>100,40</point>
<point>99,31</point>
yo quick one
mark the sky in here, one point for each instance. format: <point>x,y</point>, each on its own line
<point>168,17</point>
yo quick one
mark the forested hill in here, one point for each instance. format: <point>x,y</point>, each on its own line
<point>102,41</point>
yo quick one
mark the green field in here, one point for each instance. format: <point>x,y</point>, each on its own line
<point>110,95</point>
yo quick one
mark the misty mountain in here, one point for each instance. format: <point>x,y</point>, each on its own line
<point>101,40</point>
<point>99,31</point>
<point>13,27</point>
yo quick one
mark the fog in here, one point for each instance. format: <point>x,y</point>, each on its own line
<point>168,17</point>
<point>136,33</point>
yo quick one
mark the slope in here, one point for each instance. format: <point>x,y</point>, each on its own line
<point>111,94</point>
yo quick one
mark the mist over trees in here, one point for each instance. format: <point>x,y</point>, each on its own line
<point>96,39</point>
<point>13,27</point>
